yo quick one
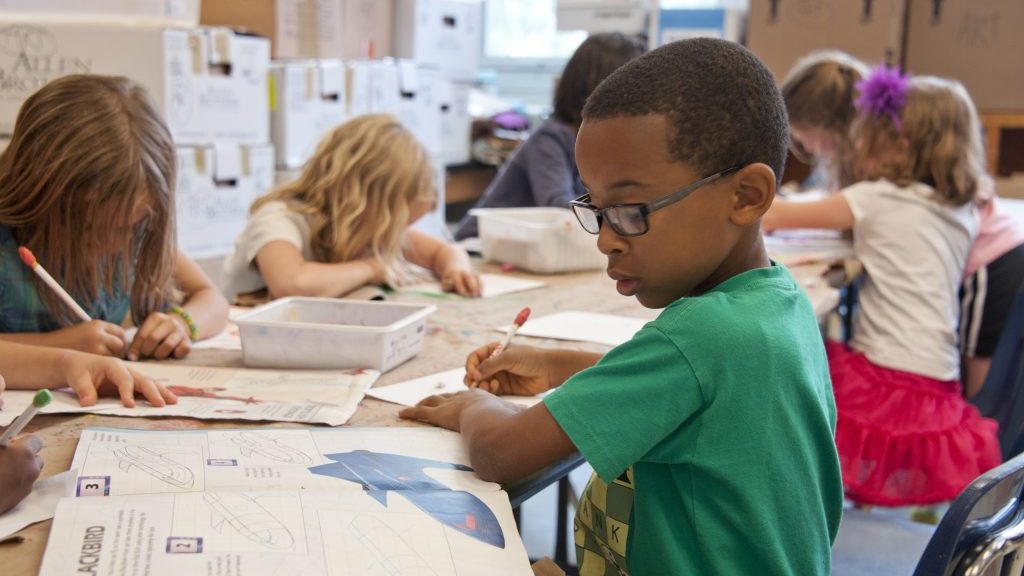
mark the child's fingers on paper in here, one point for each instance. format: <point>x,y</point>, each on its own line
<point>165,394</point>
<point>84,386</point>
<point>169,344</point>
<point>122,379</point>
<point>183,349</point>
<point>417,412</point>
<point>153,333</point>
<point>476,285</point>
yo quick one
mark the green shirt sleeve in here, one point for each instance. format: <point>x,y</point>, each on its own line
<point>622,407</point>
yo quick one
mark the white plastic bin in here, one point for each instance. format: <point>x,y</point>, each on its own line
<point>543,240</point>
<point>332,333</point>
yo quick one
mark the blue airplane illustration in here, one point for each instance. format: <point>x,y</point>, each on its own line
<point>380,473</point>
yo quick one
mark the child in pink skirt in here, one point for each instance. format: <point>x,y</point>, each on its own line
<point>905,434</point>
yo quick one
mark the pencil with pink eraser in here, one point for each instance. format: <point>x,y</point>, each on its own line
<point>516,325</point>
<point>30,260</point>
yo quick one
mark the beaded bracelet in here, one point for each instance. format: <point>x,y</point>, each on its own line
<point>193,330</point>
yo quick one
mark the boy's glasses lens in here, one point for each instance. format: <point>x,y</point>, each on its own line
<point>588,218</point>
<point>627,220</point>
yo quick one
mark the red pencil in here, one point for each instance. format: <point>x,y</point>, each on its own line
<point>519,321</point>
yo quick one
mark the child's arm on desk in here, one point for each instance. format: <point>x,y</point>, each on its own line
<point>34,368</point>
<point>448,262</point>
<point>287,273</point>
<point>163,335</point>
<point>507,442</point>
<point>832,213</point>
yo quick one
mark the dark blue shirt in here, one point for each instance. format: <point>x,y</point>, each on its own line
<point>542,172</point>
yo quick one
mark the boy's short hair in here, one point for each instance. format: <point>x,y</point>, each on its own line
<point>722,104</point>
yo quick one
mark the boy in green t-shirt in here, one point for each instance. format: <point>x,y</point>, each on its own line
<point>711,430</point>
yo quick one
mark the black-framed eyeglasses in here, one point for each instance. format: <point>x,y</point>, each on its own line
<point>631,219</point>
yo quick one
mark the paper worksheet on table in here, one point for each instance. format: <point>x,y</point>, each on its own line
<point>282,501</point>
<point>308,396</point>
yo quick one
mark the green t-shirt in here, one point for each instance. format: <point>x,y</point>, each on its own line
<point>711,433</point>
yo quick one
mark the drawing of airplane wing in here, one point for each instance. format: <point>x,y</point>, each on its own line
<point>462,511</point>
<point>247,517</point>
<point>249,443</point>
<point>393,556</point>
<point>383,471</point>
<point>156,465</point>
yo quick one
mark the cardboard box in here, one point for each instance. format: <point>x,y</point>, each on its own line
<point>385,87</point>
<point>679,24</point>
<point>310,28</point>
<point>975,41</point>
<point>308,101</point>
<point>368,28</point>
<point>216,187</point>
<point>209,83</point>
<point>420,105</point>
<point>184,13</point>
<point>456,123</point>
<point>595,16</point>
<point>443,34</point>
<point>780,32</point>
<point>359,85</point>
<point>296,28</point>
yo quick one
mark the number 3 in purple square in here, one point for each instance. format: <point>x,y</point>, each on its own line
<point>93,486</point>
<point>179,545</point>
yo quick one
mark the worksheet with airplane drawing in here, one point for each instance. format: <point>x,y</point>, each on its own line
<point>388,501</point>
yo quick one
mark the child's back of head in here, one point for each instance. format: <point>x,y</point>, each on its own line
<point>361,189</point>
<point>721,102</point>
<point>933,137</point>
<point>819,93</point>
<point>87,183</point>
<point>597,57</point>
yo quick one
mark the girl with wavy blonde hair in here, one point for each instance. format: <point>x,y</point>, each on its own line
<point>905,434</point>
<point>345,222</point>
<point>87,183</point>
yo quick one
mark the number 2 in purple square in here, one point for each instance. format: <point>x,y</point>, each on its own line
<point>180,545</point>
<point>93,486</point>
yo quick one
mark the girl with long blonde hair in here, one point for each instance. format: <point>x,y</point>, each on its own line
<point>345,221</point>
<point>904,433</point>
<point>87,183</point>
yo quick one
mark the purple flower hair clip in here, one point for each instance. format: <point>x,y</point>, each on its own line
<point>883,94</point>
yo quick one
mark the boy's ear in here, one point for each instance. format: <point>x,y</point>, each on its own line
<point>754,190</point>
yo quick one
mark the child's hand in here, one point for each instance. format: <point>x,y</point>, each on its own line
<point>20,465</point>
<point>161,336</point>
<point>444,410</point>
<point>89,376</point>
<point>462,281</point>
<point>93,337</point>
<point>518,371</point>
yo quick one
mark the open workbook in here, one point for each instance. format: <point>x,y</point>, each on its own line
<point>281,501</point>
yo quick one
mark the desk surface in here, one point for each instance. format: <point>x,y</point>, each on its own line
<point>458,326</point>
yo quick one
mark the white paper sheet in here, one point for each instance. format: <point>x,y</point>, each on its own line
<point>283,533</point>
<point>40,504</point>
<point>410,392</point>
<point>493,285</point>
<point>332,502</point>
<point>822,244</point>
<point>606,329</point>
<point>310,396</point>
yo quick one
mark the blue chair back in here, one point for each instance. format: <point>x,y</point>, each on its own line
<point>1002,396</point>
<point>983,528</point>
